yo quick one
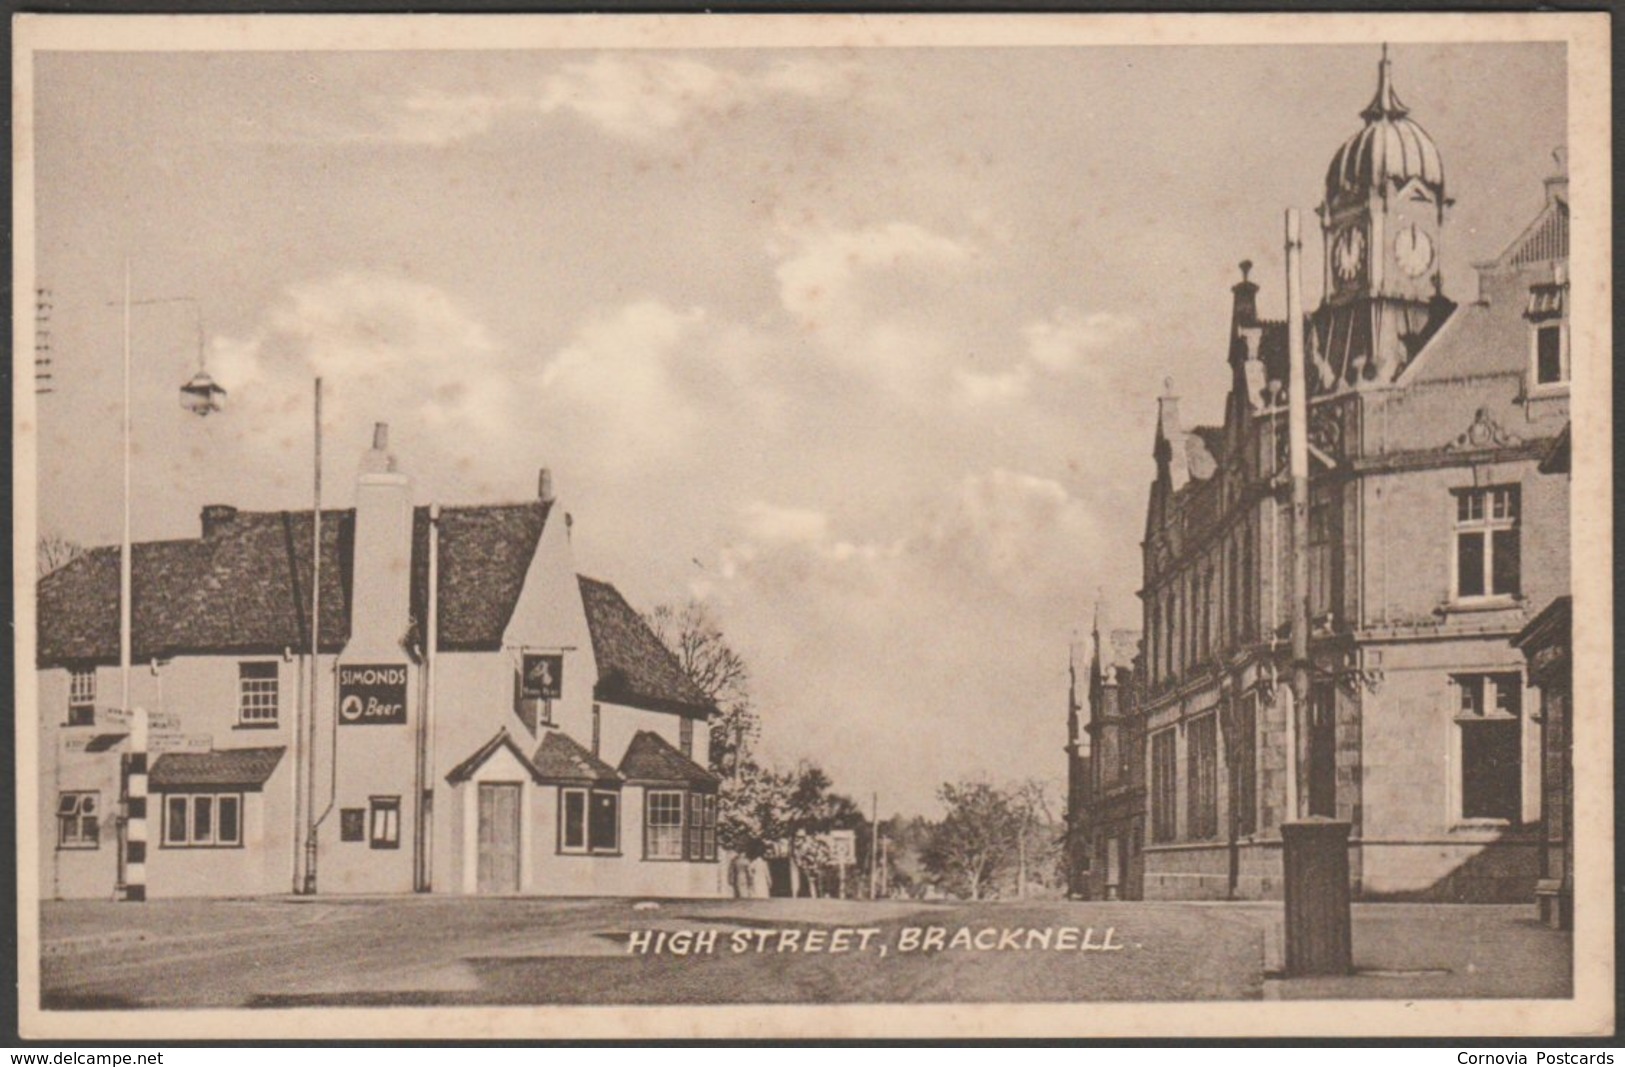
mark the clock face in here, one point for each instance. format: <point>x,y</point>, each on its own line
<point>1413,250</point>
<point>1348,254</point>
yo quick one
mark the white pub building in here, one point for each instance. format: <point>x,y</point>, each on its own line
<point>485,720</point>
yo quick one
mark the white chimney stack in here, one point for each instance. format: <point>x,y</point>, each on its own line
<point>380,606</point>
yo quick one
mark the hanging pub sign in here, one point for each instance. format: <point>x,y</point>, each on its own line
<point>541,676</point>
<point>372,694</point>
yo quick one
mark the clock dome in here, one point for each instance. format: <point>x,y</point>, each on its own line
<point>1390,151</point>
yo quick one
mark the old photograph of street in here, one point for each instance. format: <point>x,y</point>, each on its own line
<point>775,515</point>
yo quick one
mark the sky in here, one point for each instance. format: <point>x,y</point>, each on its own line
<point>859,346</point>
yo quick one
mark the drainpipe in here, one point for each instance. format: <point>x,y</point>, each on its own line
<point>426,764</point>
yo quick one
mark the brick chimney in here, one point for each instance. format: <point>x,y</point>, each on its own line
<point>381,606</point>
<point>544,486</point>
<point>216,517</point>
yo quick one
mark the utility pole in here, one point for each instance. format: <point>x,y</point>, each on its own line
<point>874,843</point>
<point>309,885</point>
<point>1314,852</point>
<point>1298,466</point>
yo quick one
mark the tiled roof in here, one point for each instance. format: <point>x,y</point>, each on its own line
<point>1547,238</point>
<point>485,553</point>
<point>236,768</point>
<point>501,739</point>
<point>561,758</point>
<point>634,668</point>
<point>1481,338</point>
<point>243,589</point>
<point>651,758</point>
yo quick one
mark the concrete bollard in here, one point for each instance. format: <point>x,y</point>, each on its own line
<point>1319,935</point>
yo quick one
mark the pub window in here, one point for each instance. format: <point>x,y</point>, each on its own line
<point>1487,542</point>
<point>590,820</point>
<point>702,827</point>
<point>203,820</point>
<point>257,694</point>
<point>604,821</point>
<point>78,819</point>
<point>1203,794</point>
<point>384,822</point>
<point>663,825</point>
<point>1489,721</point>
<point>352,824</point>
<point>1164,787</point>
<point>685,736</point>
<point>82,696</point>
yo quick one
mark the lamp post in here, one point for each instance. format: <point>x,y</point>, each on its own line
<point>201,396</point>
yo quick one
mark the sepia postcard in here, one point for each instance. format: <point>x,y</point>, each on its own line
<point>692,526</point>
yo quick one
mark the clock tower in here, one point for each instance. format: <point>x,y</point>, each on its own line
<point>1382,221</point>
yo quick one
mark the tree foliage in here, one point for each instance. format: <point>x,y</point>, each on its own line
<point>762,811</point>
<point>976,841</point>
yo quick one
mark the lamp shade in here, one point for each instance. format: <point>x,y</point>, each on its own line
<point>201,396</point>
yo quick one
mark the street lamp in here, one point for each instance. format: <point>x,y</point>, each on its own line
<point>201,396</point>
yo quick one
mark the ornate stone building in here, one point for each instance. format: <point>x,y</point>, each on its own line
<point>1106,781</point>
<point>1433,540</point>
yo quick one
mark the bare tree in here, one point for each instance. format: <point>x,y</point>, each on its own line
<point>53,551</point>
<point>703,652</point>
<point>1036,837</point>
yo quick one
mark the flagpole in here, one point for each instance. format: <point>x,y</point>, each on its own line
<point>124,579</point>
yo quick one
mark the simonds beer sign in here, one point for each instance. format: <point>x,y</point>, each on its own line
<point>372,694</point>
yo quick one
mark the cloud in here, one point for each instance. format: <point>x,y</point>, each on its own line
<point>766,522</point>
<point>813,78</point>
<point>432,117</point>
<point>1068,338</point>
<point>637,97</point>
<point>976,389</point>
<point>382,343</point>
<point>1010,528</point>
<point>629,96</point>
<point>619,370</point>
<point>902,629</point>
<point>820,273</point>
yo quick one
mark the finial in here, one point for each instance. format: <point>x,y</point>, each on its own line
<point>1168,387</point>
<point>1385,105</point>
<point>1560,156</point>
<point>1246,268</point>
